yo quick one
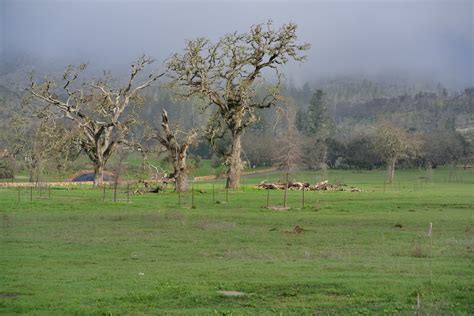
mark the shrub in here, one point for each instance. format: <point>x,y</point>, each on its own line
<point>6,172</point>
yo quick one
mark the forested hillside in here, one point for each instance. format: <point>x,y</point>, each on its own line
<point>336,117</point>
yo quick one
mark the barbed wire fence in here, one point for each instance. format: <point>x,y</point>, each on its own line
<point>202,194</point>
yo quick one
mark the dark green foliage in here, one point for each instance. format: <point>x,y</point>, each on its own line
<point>6,171</point>
<point>337,152</point>
<point>361,154</point>
<point>315,153</point>
<point>445,147</point>
<point>315,121</point>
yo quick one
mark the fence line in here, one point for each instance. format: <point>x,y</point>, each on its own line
<point>210,195</point>
<point>200,195</point>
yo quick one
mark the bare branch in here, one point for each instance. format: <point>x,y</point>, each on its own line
<point>96,108</point>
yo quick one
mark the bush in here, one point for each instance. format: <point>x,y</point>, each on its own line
<point>216,161</point>
<point>6,172</point>
<point>197,162</point>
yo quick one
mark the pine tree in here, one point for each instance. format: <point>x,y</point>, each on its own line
<point>317,118</point>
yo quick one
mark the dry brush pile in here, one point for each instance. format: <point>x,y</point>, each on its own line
<point>296,185</point>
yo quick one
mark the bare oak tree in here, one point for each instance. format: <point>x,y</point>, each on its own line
<point>51,144</point>
<point>392,144</point>
<point>39,144</point>
<point>97,107</point>
<point>176,143</point>
<point>225,74</point>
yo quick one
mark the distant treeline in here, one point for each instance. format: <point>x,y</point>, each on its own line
<point>337,120</point>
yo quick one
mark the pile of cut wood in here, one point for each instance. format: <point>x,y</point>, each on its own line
<point>281,185</point>
<point>294,185</point>
<point>327,186</point>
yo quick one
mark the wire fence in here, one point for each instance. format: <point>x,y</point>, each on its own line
<point>209,194</point>
<point>198,195</point>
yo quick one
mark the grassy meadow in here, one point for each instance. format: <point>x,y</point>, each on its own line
<point>70,251</point>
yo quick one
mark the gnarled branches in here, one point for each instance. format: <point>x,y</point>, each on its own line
<point>225,74</point>
<point>97,107</point>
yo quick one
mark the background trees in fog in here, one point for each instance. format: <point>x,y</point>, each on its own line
<point>336,116</point>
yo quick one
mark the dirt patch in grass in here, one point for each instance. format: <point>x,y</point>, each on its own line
<point>166,216</point>
<point>207,224</point>
<point>9,295</point>
<point>231,293</point>
<point>279,208</point>
<point>296,230</point>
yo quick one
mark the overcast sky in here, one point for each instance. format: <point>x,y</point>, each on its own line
<point>432,38</point>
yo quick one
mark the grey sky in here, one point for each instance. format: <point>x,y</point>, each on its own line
<point>431,38</point>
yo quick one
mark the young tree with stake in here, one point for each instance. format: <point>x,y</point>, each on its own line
<point>288,153</point>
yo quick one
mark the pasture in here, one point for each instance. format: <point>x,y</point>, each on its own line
<point>342,253</point>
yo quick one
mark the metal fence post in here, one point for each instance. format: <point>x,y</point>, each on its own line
<point>128,192</point>
<point>303,198</point>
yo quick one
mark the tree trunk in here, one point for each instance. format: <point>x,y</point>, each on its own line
<point>452,171</point>
<point>235,168</point>
<point>177,153</point>
<point>324,166</point>
<point>285,197</point>
<point>180,174</point>
<point>98,173</point>
<point>391,169</point>
<point>181,181</point>
<point>429,171</point>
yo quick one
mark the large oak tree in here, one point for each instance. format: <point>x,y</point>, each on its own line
<point>225,73</point>
<point>101,109</point>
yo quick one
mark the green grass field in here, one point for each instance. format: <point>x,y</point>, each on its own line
<point>359,253</point>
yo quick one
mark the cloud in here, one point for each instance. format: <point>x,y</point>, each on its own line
<point>371,37</point>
